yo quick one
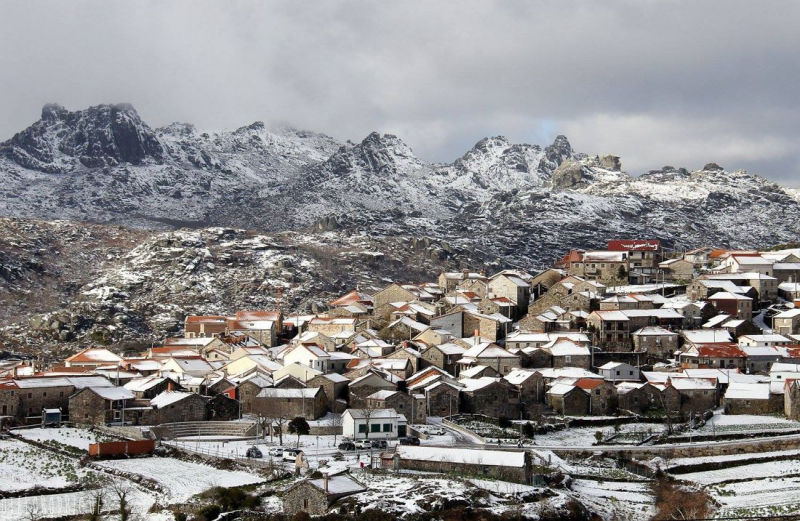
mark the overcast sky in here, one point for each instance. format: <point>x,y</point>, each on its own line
<point>658,83</point>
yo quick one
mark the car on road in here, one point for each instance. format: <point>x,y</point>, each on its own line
<point>409,440</point>
<point>363,444</point>
<point>379,444</point>
<point>276,451</point>
<point>347,445</point>
<point>291,454</point>
<point>254,452</point>
<point>436,431</point>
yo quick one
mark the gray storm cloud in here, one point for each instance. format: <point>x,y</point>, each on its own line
<point>680,83</point>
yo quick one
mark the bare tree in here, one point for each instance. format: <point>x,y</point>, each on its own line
<point>121,491</point>
<point>336,422</point>
<point>33,511</point>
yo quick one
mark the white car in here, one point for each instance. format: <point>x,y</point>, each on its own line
<point>276,451</point>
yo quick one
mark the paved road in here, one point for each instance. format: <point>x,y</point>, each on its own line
<point>459,438</point>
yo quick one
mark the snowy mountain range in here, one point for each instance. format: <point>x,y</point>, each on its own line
<point>512,204</point>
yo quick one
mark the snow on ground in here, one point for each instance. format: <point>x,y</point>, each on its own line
<point>72,504</point>
<point>752,472</point>
<point>615,500</point>
<point>744,423</point>
<point>767,497</point>
<point>79,438</point>
<point>502,487</point>
<point>734,457</point>
<point>585,436</point>
<point>409,495</point>
<point>183,479</point>
<point>24,466</point>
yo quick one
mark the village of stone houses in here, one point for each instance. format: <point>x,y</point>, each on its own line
<point>633,382</point>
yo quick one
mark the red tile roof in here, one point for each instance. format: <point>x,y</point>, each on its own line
<point>720,350</point>
<point>634,245</point>
<point>588,383</point>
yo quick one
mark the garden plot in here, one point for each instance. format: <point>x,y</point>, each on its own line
<point>24,466</point>
<point>77,438</point>
<point>764,497</point>
<point>772,469</point>
<point>739,459</point>
<point>182,479</point>
<point>744,424</point>
<point>72,504</point>
<point>586,436</point>
<point>616,500</point>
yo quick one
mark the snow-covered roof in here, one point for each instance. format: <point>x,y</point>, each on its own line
<point>561,389</point>
<point>168,398</point>
<point>373,413</point>
<point>143,384</point>
<point>747,391</point>
<point>382,395</point>
<point>271,392</point>
<point>339,485</point>
<point>518,376</point>
<point>707,336</point>
<point>112,393</point>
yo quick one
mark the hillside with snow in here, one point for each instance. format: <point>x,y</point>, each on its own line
<point>509,203</point>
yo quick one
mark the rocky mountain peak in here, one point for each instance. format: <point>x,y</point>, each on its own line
<point>103,135</point>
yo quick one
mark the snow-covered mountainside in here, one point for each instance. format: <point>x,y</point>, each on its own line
<point>512,204</point>
<point>62,283</point>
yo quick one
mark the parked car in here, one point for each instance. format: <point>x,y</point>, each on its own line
<point>436,431</point>
<point>379,444</point>
<point>291,454</point>
<point>409,440</point>
<point>347,445</point>
<point>276,451</point>
<point>363,444</point>
<point>254,452</point>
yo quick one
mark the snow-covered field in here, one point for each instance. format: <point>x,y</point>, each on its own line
<point>585,436</point>
<point>767,497</point>
<point>745,423</point>
<point>183,479</point>
<point>24,466</point>
<point>616,500</point>
<point>749,472</point>
<point>79,438</point>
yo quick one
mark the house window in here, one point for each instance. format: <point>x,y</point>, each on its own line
<point>597,392</point>
<point>61,394</point>
<point>362,429</point>
<point>86,415</point>
<point>44,394</point>
<point>305,504</point>
<point>617,373</point>
<point>375,427</point>
<point>387,427</point>
<point>568,358</point>
<point>30,395</point>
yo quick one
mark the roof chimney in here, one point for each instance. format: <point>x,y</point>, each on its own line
<point>325,482</point>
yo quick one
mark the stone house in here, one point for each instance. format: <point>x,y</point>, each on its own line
<point>392,293</point>
<point>512,285</point>
<point>249,387</point>
<point>175,406</point>
<point>696,395</point>
<point>789,291</point>
<point>515,466</point>
<point>442,399</point>
<point>310,404</point>
<point>677,269</point>
<point>317,496</point>
<point>407,353</point>
<point>151,386</point>
<point>48,392</point>
<point>637,397</point>
<point>99,405</point>
<point>568,353</point>
<point>568,400</point>
<point>751,398</point>
<point>490,355</point>
<point>331,327</point>
<point>655,340</point>
<point>602,266</point>
<point>434,337</point>
<point>448,281</point>
<point>612,329</point>
<point>371,382</point>
<point>530,390</point>
<point>443,356</point>
<point>602,396</point>
<point>791,398</point>
<point>490,397</point>
<point>499,305</point>
<point>533,357</point>
<point>9,398</point>
<point>334,386</point>
<point>787,322</point>
<point>410,407</point>
<point>221,407</point>
<point>724,355</point>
